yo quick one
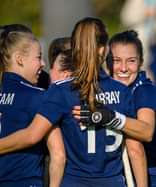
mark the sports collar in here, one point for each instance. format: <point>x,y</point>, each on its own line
<point>15,77</point>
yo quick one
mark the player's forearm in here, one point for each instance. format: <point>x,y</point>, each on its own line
<point>107,118</point>
<point>141,176</point>
<point>139,166</point>
<point>57,156</point>
<point>56,170</point>
<point>15,141</point>
<point>138,129</point>
<point>26,137</point>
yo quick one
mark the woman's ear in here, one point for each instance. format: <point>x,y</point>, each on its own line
<point>18,58</point>
<point>103,50</point>
<point>106,50</point>
<point>140,66</point>
<point>66,74</point>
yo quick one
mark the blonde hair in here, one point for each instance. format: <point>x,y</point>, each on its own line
<point>88,35</point>
<point>12,40</point>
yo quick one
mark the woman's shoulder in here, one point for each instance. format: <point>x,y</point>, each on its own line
<point>108,81</point>
<point>143,83</point>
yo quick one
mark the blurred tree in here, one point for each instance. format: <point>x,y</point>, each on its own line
<point>109,11</point>
<point>60,16</point>
<point>29,12</point>
<point>21,11</point>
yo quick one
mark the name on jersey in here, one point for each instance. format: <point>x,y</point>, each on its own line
<point>6,98</point>
<point>109,97</point>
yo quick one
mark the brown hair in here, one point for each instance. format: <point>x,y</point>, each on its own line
<point>57,46</point>
<point>125,37</point>
<point>88,35</point>
<point>65,63</point>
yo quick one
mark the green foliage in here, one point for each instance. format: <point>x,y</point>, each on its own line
<point>21,11</point>
<point>109,11</point>
<point>29,12</point>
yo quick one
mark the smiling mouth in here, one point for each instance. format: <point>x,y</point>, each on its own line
<point>39,72</point>
<point>123,75</point>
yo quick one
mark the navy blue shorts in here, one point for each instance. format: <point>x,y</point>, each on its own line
<point>23,183</point>
<point>152,180</point>
<point>117,181</point>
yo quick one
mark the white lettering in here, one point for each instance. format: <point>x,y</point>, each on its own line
<point>6,98</point>
<point>112,97</point>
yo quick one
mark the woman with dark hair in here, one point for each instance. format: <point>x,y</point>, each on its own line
<point>60,62</point>
<point>58,46</point>
<point>124,64</point>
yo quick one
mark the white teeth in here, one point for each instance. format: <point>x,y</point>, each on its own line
<point>39,72</point>
<point>123,75</point>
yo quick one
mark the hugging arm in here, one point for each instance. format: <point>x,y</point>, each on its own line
<point>138,129</point>
<point>26,137</point>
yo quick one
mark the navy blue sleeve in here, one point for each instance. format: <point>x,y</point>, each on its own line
<point>130,108</point>
<point>53,106</point>
<point>145,96</point>
<point>128,103</point>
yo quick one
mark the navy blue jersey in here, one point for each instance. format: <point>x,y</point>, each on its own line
<point>145,97</point>
<point>144,92</point>
<point>90,152</point>
<point>19,102</point>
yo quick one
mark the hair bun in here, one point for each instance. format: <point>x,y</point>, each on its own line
<point>133,33</point>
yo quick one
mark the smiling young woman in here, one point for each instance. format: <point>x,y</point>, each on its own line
<point>125,66</point>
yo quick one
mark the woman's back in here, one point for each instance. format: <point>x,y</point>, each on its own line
<point>91,152</point>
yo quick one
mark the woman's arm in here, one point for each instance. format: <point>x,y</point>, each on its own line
<point>138,161</point>
<point>138,129</point>
<point>26,137</point>
<point>145,124</point>
<point>57,157</point>
<point>136,150</point>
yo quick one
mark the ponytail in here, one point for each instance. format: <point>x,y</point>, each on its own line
<point>89,34</point>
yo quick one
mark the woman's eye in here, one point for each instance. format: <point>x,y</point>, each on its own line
<point>132,61</point>
<point>116,61</point>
